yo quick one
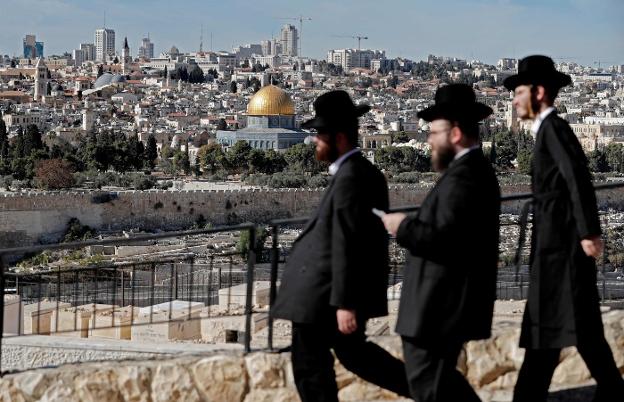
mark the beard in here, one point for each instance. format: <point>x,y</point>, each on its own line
<point>442,157</point>
<point>327,154</point>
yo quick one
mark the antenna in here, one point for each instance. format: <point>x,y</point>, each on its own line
<point>211,41</point>
<point>104,20</point>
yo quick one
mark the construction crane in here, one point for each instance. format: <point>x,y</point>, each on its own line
<point>301,18</point>
<point>599,62</point>
<point>358,37</point>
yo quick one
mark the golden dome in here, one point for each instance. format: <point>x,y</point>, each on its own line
<point>270,100</point>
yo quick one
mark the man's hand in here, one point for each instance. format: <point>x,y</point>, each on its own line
<point>592,246</point>
<point>346,321</point>
<point>392,222</point>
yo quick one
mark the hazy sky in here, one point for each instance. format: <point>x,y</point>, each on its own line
<point>580,30</point>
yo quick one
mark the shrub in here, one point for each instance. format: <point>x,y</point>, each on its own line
<point>318,181</point>
<point>143,182</point>
<point>407,177</point>
<point>76,231</point>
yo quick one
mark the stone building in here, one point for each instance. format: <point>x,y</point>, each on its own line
<point>270,122</point>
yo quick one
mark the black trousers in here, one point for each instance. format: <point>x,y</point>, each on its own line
<point>432,374</point>
<point>313,362</point>
<point>539,365</point>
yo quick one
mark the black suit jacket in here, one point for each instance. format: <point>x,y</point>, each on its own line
<point>340,260</point>
<point>563,299</point>
<point>449,286</point>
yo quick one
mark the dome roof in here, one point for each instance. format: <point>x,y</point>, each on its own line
<point>118,78</point>
<point>270,100</point>
<point>107,79</point>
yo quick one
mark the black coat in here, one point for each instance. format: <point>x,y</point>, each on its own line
<point>563,298</point>
<point>449,286</point>
<point>340,260</point>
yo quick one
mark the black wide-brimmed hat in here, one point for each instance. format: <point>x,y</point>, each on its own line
<point>335,109</point>
<point>537,70</point>
<point>456,102</point>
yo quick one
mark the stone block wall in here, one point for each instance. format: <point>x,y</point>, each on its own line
<point>491,366</point>
<point>29,218</point>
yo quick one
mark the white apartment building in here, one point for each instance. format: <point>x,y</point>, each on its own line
<point>290,40</point>
<point>88,50</point>
<point>354,58</point>
<point>104,44</point>
<point>146,50</point>
<point>78,56</point>
<point>507,64</point>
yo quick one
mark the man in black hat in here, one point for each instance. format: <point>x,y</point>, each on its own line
<point>563,304</point>
<point>449,284</point>
<point>336,277</point>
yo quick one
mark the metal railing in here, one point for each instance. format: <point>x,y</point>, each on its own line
<point>191,277</point>
<point>507,286</point>
<point>154,289</point>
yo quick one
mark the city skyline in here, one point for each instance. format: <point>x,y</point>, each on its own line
<point>477,29</point>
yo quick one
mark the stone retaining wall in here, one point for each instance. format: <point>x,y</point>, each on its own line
<point>491,366</point>
<point>28,218</point>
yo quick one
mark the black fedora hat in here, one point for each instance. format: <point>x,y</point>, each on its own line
<point>334,109</point>
<point>456,102</point>
<point>537,70</point>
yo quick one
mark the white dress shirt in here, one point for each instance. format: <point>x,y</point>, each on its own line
<point>539,119</point>
<point>465,151</point>
<point>333,168</point>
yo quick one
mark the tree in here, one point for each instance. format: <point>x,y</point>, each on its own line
<point>48,89</point>
<point>100,71</point>
<point>116,61</point>
<point>506,149</point>
<point>196,76</point>
<point>222,124</point>
<point>525,153</point>
<point>32,139</point>
<point>135,151</point>
<point>615,157</point>
<point>238,156</point>
<point>210,157</point>
<point>18,145</point>
<point>181,162</point>
<point>151,154</point>
<point>4,140</point>
<point>166,152</point>
<point>54,174</point>
<point>301,158</point>
<point>275,162</point>
<point>256,162</point>
<point>76,231</point>
<point>402,159</point>
<point>182,73</point>
<point>598,161</point>
<point>254,83</point>
<point>233,87</point>
<point>400,137</point>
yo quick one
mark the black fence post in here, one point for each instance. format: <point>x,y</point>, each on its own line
<point>251,260</point>
<point>273,280</point>
<point>605,258</point>
<point>2,308</point>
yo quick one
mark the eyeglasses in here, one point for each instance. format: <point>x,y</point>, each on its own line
<point>436,132</point>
